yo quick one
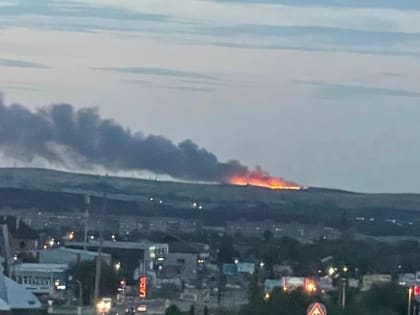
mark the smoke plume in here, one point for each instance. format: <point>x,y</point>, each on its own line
<point>59,132</point>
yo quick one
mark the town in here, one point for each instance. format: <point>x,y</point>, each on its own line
<point>160,264</point>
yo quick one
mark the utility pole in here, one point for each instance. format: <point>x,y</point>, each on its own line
<point>343,288</point>
<point>101,243</point>
<point>87,203</point>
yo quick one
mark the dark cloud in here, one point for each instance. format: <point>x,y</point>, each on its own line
<point>25,134</point>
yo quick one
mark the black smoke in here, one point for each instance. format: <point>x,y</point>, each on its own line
<point>82,133</point>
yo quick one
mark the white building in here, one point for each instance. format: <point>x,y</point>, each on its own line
<point>39,278</point>
<point>14,297</point>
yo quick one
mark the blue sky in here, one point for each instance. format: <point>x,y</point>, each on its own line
<point>323,92</point>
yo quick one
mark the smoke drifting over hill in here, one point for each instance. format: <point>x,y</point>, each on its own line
<point>59,133</point>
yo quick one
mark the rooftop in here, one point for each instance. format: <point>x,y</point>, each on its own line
<point>40,267</point>
<point>111,244</point>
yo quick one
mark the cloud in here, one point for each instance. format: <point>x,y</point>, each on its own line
<point>390,4</point>
<point>191,87</point>
<point>165,72</point>
<point>75,16</point>
<point>394,75</point>
<point>312,38</point>
<point>371,26</point>
<point>75,9</point>
<point>4,62</point>
<point>327,35</point>
<point>342,91</point>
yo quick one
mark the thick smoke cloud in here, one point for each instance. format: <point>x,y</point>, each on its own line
<point>93,140</point>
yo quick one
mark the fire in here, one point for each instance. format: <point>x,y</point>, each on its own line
<point>260,178</point>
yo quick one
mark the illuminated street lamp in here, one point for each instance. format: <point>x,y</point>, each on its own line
<point>117,266</point>
<point>70,236</point>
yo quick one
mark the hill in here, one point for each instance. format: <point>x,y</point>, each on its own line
<point>65,191</point>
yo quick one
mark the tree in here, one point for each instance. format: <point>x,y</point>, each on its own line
<point>85,273</point>
<point>192,310</point>
<point>226,250</point>
<point>173,310</point>
<point>268,235</point>
<point>390,297</point>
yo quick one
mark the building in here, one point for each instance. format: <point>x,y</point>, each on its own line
<point>70,256</point>
<point>302,232</point>
<point>15,298</point>
<point>40,278</point>
<point>155,255</point>
<point>186,259</point>
<point>157,224</point>
<point>374,280</point>
<point>18,241</point>
<point>133,257</point>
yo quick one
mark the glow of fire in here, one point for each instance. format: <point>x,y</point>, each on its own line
<point>261,178</point>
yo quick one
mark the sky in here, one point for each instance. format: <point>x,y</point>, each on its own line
<point>321,92</point>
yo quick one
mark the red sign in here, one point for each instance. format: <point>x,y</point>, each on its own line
<point>143,287</point>
<point>316,309</point>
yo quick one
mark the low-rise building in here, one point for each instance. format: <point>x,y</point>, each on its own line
<point>373,280</point>
<point>18,242</point>
<point>17,300</point>
<point>70,256</point>
<point>40,278</point>
<point>134,258</point>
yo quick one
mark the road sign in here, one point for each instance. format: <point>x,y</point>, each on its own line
<point>316,309</point>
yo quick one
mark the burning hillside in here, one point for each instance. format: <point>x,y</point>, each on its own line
<point>260,178</point>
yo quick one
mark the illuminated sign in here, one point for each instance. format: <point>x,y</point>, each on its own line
<point>142,287</point>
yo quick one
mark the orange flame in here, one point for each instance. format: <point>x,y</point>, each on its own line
<point>260,178</point>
